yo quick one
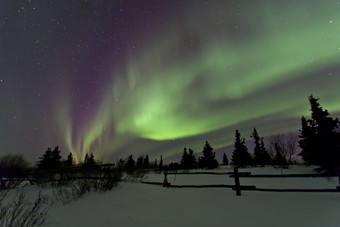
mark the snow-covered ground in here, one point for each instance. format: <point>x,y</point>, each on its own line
<point>136,204</point>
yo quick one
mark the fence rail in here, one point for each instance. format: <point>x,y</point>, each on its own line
<point>284,175</point>
<point>238,187</point>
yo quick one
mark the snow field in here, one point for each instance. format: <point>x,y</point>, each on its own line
<point>136,204</point>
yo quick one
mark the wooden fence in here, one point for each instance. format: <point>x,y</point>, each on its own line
<point>238,187</point>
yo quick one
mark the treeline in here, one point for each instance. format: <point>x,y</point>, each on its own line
<point>320,138</point>
<point>319,144</point>
<point>280,152</point>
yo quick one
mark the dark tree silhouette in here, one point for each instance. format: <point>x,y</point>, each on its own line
<point>174,166</point>
<point>89,160</point>
<point>155,164</point>
<point>86,158</point>
<point>184,160</point>
<point>69,161</point>
<point>51,160</point>
<point>130,164</point>
<point>140,162</point>
<point>192,162</point>
<point>208,160</point>
<point>320,138</point>
<point>160,165</point>
<point>225,160</point>
<point>146,162</point>
<point>121,164</point>
<point>261,155</point>
<point>240,157</point>
<point>13,165</point>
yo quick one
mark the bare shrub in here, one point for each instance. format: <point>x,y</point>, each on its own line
<point>13,169</point>
<point>90,179</point>
<point>10,183</point>
<point>13,165</point>
<point>20,212</point>
<point>63,194</point>
<point>135,176</point>
<point>285,144</point>
<point>108,180</point>
<point>81,187</point>
<point>104,184</point>
<point>75,190</point>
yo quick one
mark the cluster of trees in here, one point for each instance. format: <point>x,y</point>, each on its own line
<point>188,160</point>
<point>208,159</point>
<point>319,143</point>
<point>142,162</point>
<point>52,160</point>
<point>281,150</point>
<point>320,138</point>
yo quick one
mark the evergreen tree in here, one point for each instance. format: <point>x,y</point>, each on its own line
<point>160,165</point>
<point>184,160</point>
<point>146,162</point>
<point>320,138</point>
<point>140,162</point>
<point>121,164</point>
<point>155,164</point>
<point>56,157</point>
<point>208,160</point>
<point>89,160</point>
<point>261,156</point>
<point>240,157</point>
<point>130,164</point>
<point>50,160</point>
<point>225,160</point>
<point>69,161</point>
<point>86,158</point>
<point>192,162</point>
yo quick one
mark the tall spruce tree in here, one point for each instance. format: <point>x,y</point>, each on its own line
<point>240,157</point>
<point>192,162</point>
<point>140,162</point>
<point>155,164</point>
<point>320,138</point>
<point>146,162</point>
<point>69,161</point>
<point>208,160</point>
<point>225,160</point>
<point>130,164</point>
<point>89,160</point>
<point>160,165</point>
<point>184,160</point>
<point>261,156</point>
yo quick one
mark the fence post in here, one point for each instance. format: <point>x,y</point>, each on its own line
<point>165,182</point>
<point>237,182</point>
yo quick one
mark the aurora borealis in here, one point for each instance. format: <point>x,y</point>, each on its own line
<point>150,77</point>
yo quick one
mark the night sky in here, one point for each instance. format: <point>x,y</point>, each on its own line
<point>150,77</point>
